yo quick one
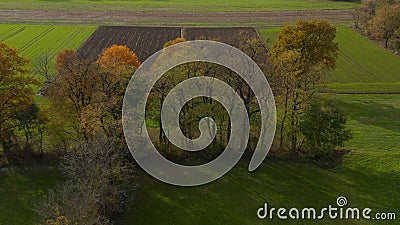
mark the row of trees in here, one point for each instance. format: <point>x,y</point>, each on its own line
<point>85,98</point>
<point>380,20</point>
<point>199,108</point>
<point>308,123</point>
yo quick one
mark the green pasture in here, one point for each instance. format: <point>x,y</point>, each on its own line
<point>20,188</point>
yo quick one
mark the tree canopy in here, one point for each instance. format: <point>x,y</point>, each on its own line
<point>300,55</point>
<point>17,90</point>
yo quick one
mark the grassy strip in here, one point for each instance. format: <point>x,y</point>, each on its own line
<point>368,177</point>
<point>179,5</point>
<point>360,88</point>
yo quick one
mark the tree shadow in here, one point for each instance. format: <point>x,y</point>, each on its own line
<point>371,112</point>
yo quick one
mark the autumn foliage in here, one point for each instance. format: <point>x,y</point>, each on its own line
<point>175,41</point>
<point>312,41</point>
<point>385,25</point>
<point>92,92</point>
<point>380,21</point>
<point>118,57</point>
<point>16,87</point>
<point>301,54</point>
<point>86,107</point>
<point>17,91</point>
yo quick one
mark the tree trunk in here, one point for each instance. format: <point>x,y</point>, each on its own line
<point>294,125</point>
<point>161,134</point>
<point>283,121</point>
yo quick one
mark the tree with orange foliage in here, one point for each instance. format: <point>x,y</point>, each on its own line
<point>92,92</point>
<point>118,58</point>
<point>99,168</point>
<point>175,41</point>
<point>117,64</point>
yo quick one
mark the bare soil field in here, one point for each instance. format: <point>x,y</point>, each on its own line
<point>229,35</point>
<point>144,41</point>
<point>143,17</point>
<point>137,38</point>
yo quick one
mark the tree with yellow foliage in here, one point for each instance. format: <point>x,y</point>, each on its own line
<point>17,91</point>
<point>300,54</point>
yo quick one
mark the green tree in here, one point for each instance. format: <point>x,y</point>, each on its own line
<point>31,123</point>
<point>323,126</point>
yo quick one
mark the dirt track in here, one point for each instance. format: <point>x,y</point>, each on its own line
<point>143,17</point>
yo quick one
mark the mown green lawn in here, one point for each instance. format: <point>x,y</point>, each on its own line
<point>178,5</point>
<point>362,61</point>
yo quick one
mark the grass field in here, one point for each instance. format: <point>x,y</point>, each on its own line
<point>369,177</point>
<point>178,5</point>
<point>362,66</point>
<point>20,188</point>
<point>34,40</point>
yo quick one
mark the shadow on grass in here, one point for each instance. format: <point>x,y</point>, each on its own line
<point>371,112</point>
<point>235,198</point>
